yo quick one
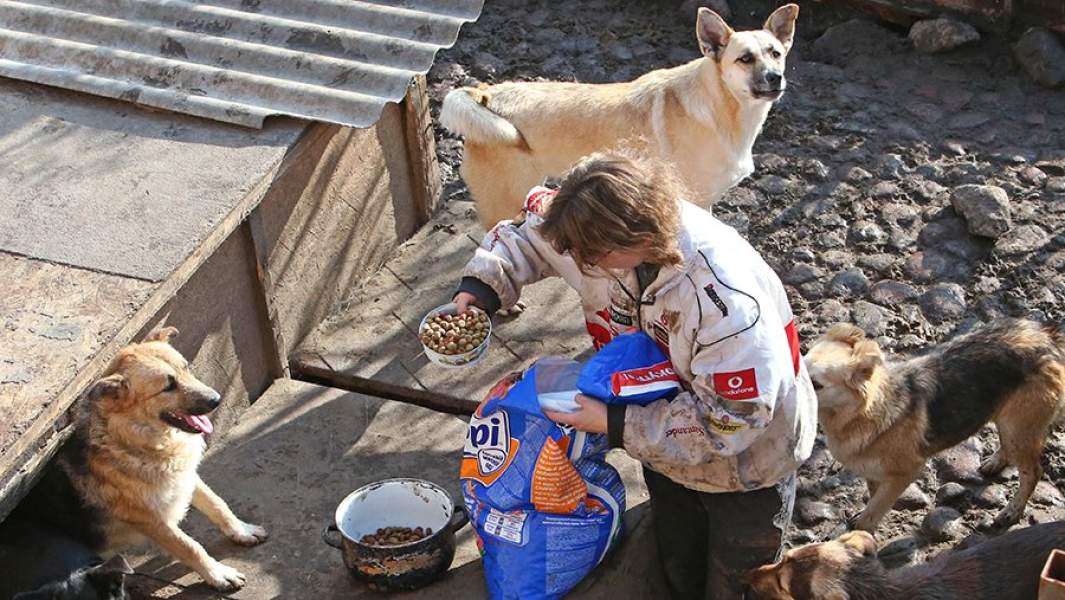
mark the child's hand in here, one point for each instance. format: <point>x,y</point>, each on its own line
<point>463,300</point>
<point>590,418</point>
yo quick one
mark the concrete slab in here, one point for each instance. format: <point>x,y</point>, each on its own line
<point>300,449</point>
<point>106,186</point>
<point>373,334</point>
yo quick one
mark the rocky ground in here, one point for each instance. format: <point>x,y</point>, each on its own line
<point>914,194</point>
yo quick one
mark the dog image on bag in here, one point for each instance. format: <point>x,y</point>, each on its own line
<point>703,117</point>
<point>847,568</point>
<point>883,419</point>
<point>128,475</point>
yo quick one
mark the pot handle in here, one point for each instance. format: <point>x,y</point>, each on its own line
<point>459,518</point>
<point>331,536</point>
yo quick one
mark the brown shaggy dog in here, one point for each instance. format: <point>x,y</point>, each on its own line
<point>129,472</point>
<point>883,419</point>
<point>1003,568</point>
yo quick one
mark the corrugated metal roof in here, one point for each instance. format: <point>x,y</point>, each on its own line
<point>238,61</point>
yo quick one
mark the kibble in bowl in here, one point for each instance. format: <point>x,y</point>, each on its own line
<point>396,536</point>
<point>454,340</point>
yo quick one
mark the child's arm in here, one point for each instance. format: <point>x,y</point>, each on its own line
<point>509,258</point>
<point>738,371</point>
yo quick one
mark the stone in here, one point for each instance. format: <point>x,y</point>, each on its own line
<point>741,197</point>
<point>812,512</point>
<point>1042,55</point>
<point>927,266</point>
<point>817,170</point>
<point>1047,494</point>
<point>772,184</point>
<point>848,283</point>
<point>986,209</point>
<point>898,214</point>
<point>689,9</point>
<point>880,263</point>
<point>1024,239</point>
<point>924,110</point>
<point>960,463</point>
<point>890,166</point>
<point>890,292</point>
<point>942,524</point>
<point>857,175</point>
<point>1033,176</point>
<point>968,120</point>
<point>833,311</point>
<point>899,551</point>
<point>912,498</point>
<point>620,51</point>
<point>1056,185</point>
<point>801,273</point>
<point>928,190</point>
<point>867,231</point>
<point>939,35</point>
<point>486,64</point>
<point>951,493</point>
<point>869,317</point>
<point>991,496</point>
<point>884,189</point>
<point>857,37</point>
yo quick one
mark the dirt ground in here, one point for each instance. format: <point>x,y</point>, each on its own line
<point>850,203</point>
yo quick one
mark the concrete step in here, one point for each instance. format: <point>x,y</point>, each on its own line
<point>302,448</point>
<point>372,336</point>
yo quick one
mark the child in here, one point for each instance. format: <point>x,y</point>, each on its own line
<point>719,459</point>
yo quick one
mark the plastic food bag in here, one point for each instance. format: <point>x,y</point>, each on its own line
<point>545,504</point>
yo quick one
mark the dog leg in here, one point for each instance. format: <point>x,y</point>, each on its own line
<point>190,553</point>
<point>1026,456</point>
<point>887,491</point>
<point>218,512</point>
<point>1022,428</point>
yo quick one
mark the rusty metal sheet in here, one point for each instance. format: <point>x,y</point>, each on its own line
<point>238,61</point>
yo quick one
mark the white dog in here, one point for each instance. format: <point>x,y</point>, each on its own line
<point>703,117</point>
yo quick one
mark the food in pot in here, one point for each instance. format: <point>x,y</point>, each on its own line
<point>455,334</point>
<point>394,536</point>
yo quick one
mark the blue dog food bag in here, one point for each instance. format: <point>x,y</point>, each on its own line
<point>545,504</point>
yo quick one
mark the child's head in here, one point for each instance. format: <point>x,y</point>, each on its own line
<point>610,203</point>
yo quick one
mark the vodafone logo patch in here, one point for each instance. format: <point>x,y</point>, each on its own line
<point>736,385</point>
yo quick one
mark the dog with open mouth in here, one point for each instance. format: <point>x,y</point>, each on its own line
<point>128,474</point>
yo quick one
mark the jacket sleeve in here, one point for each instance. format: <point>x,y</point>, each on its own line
<point>739,368</point>
<point>512,256</point>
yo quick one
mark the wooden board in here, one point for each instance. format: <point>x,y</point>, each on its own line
<point>372,339</point>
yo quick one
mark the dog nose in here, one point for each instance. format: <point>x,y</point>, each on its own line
<point>773,79</point>
<point>211,400</point>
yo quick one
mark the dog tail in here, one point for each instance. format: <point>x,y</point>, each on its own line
<point>465,112</point>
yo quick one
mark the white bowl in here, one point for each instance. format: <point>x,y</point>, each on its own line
<point>462,359</point>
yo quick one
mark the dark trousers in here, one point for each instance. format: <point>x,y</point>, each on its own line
<point>707,542</point>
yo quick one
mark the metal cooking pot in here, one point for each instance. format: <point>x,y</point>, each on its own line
<point>400,502</point>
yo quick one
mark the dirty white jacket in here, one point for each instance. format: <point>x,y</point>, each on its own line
<point>747,417</point>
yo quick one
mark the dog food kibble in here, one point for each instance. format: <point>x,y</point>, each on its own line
<point>455,334</point>
<point>394,536</point>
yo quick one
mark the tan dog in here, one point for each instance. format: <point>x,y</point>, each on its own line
<point>133,459</point>
<point>703,117</point>
<point>1006,567</point>
<point>882,420</point>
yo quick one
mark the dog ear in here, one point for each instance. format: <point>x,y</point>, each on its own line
<point>846,333</point>
<point>862,542</point>
<point>164,334</point>
<point>782,24</point>
<point>867,358</point>
<point>713,33</point>
<point>113,388</point>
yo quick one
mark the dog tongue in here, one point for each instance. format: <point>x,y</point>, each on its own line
<point>199,422</point>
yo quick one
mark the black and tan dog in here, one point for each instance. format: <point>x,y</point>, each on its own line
<point>883,419</point>
<point>129,472</point>
<point>1003,568</point>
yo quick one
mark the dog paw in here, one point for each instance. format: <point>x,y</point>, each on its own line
<point>1004,519</point>
<point>224,578</point>
<point>861,522</point>
<point>247,534</point>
